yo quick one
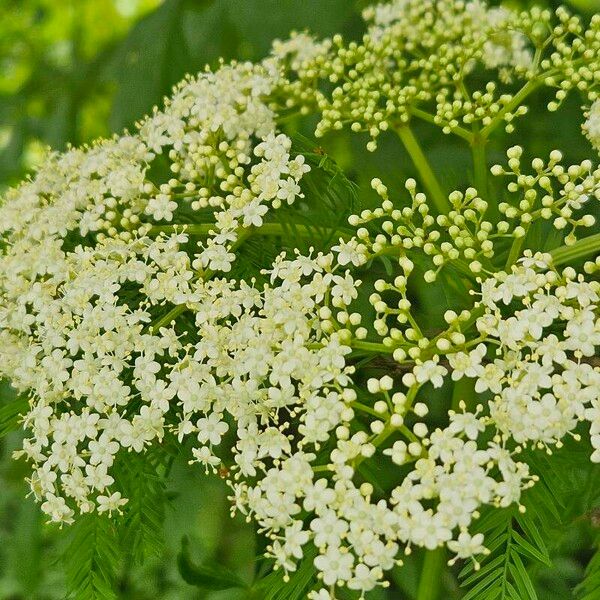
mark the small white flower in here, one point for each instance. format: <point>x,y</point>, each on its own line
<point>211,429</point>
<point>111,503</point>
<point>430,371</point>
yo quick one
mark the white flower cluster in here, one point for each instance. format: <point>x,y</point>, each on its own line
<point>310,492</point>
<point>418,57</point>
<point>418,52</point>
<point>494,29</point>
<point>81,281</point>
<point>544,378</point>
<point>591,127</point>
<point>506,46</point>
<point>124,329</point>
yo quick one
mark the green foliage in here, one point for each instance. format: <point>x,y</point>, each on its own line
<point>503,574</point>
<point>521,543</point>
<point>10,415</point>
<point>589,588</point>
<point>142,530</point>
<point>320,218</point>
<point>275,587</point>
<point>92,558</point>
<point>208,575</point>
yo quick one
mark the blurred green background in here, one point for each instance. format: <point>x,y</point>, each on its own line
<point>73,70</point>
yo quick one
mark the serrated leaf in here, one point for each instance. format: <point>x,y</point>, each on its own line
<point>473,592</point>
<point>521,577</point>
<point>527,549</point>
<point>483,571</point>
<point>91,559</point>
<point>274,587</point>
<point>143,516</point>
<point>504,573</point>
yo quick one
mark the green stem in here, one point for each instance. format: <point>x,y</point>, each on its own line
<point>439,198</point>
<point>266,229</point>
<point>515,250</point>
<point>366,409</point>
<point>430,582</point>
<point>425,116</point>
<point>371,347</point>
<point>517,99</point>
<point>580,249</point>
<point>169,317</point>
<point>480,165</point>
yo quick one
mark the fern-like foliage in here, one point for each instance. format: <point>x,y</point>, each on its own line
<point>504,575</point>
<point>142,478</point>
<point>329,198</point>
<point>99,543</point>
<point>92,559</point>
<point>275,587</point>
<point>519,541</point>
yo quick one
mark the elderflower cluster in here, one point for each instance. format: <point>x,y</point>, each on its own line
<point>591,127</point>
<point>544,378</point>
<point>87,270</point>
<point>127,322</point>
<point>418,57</point>
<point>312,491</point>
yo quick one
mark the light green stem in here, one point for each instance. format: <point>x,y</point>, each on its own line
<point>517,99</point>
<point>515,250</point>
<point>480,165</point>
<point>439,198</point>
<point>371,347</point>
<point>430,582</point>
<point>169,317</point>
<point>266,229</point>
<point>425,116</point>
<point>580,249</point>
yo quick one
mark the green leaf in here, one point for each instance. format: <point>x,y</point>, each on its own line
<point>143,516</point>
<point>521,577</point>
<point>589,588</point>
<point>91,559</point>
<point>527,549</point>
<point>10,415</point>
<point>208,575</point>
<point>275,587</point>
<point>503,573</point>
<point>485,570</point>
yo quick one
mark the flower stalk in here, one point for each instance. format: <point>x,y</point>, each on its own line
<point>438,196</point>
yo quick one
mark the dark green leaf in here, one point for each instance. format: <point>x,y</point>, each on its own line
<point>11,414</point>
<point>208,575</point>
<point>91,559</point>
<point>275,587</point>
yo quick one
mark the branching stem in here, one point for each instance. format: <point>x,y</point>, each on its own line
<point>430,582</point>
<point>480,165</point>
<point>266,229</point>
<point>438,196</point>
